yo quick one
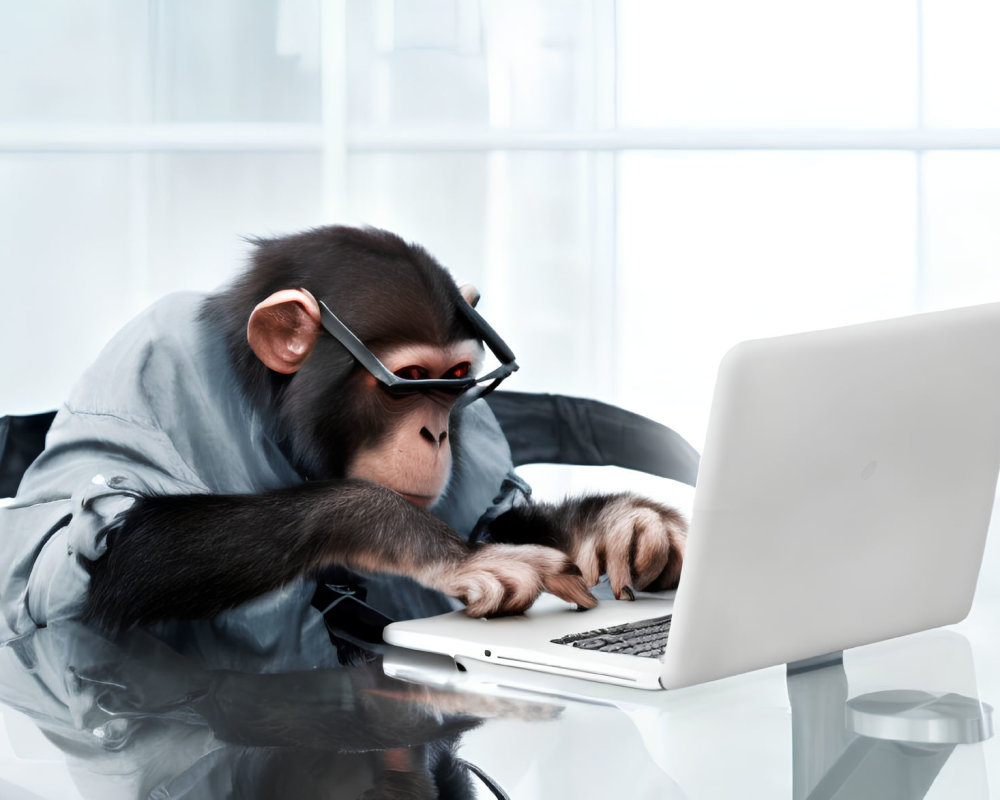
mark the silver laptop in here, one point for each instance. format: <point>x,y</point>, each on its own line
<point>844,495</point>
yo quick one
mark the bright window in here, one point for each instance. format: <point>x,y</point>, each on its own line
<point>634,185</point>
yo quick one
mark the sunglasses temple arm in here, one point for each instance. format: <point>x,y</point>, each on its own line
<point>354,346</point>
<point>490,337</point>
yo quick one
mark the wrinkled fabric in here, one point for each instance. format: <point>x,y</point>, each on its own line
<point>160,412</point>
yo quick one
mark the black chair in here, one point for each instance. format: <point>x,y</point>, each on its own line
<point>22,438</point>
<point>555,429</point>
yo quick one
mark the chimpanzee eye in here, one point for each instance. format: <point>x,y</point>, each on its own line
<point>459,370</point>
<point>412,373</point>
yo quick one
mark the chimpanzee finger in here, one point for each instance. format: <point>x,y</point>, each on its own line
<point>635,550</point>
<point>651,551</point>
<point>569,585</point>
<point>589,560</point>
<point>620,577</point>
<point>670,576</point>
<point>506,579</point>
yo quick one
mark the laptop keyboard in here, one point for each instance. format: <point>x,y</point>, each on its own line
<point>646,638</point>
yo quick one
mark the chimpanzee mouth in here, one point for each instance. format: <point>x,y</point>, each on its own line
<point>422,500</point>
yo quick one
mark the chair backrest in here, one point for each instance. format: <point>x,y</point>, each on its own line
<point>555,429</point>
<point>22,438</point>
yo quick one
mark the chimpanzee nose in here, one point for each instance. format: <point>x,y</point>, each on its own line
<point>430,437</point>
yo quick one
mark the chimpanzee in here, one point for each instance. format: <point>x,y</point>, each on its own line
<point>323,409</point>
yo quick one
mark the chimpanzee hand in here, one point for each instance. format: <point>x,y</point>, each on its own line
<point>502,579</point>
<point>201,569</point>
<point>638,543</point>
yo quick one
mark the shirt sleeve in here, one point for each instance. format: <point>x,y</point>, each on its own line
<point>93,468</point>
<point>57,583</point>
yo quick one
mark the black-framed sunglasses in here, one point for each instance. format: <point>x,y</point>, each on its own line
<point>471,387</point>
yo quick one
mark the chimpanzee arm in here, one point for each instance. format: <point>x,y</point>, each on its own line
<point>637,542</point>
<point>193,556</point>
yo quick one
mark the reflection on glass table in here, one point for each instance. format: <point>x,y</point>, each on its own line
<point>89,717</point>
<point>131,718</point>
<point>899,719</point>
<point>891,742</point>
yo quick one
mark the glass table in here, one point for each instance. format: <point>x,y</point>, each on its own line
<point>84,716</point>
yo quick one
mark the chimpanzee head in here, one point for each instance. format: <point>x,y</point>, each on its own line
<point>355,345</point>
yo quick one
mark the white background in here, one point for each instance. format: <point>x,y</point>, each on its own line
<point>635,185</point>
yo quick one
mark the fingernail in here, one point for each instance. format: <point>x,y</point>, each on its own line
<point>629,591</point>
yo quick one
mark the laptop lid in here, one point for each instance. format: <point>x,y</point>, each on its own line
<point>845,492</point>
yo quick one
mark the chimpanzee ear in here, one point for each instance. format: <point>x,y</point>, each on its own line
<point>283,329</point>
<point>470,293</point>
